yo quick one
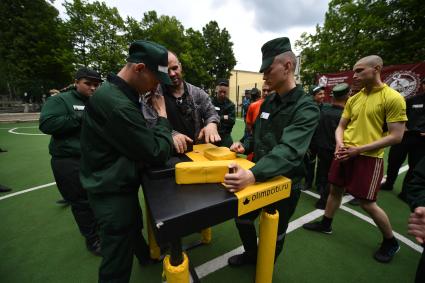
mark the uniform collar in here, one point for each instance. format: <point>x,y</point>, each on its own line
<point>79,95</point>
<point>130,92</point>
<point>290,96</point>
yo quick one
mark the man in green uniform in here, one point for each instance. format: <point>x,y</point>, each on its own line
<point>61,117</point>
<point>280,139</point>
<point>226,110</point>
<point>116,146</point>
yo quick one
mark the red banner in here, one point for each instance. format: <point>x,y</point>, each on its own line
<point>405,78</point>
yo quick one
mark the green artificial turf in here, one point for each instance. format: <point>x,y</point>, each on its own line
<point>40,242</point>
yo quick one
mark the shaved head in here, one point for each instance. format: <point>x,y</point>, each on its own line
<point>367,71</point>
<point>288,56</point>
<point>372,61</point>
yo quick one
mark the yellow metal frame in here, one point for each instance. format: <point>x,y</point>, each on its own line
<point>266,247</point>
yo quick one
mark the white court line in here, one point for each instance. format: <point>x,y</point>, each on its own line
<point>400,237</point>
<point>221,261</point>
<point>403,239</point>
<point>13,131</point>
<point>27,190</point>
<point>31,127</point>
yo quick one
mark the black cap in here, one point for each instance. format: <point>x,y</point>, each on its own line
<point>86,73</point>
<point>340,90</point>
<point>315,89</point>
<point>223,82</point>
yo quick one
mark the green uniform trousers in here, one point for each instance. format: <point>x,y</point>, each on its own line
<point>120,223</point>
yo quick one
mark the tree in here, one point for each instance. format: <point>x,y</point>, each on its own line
<point>219,54</point>
<point>35,54</point>
<point>204,57</point>
<point>352,29</point>
<point>97,34</point>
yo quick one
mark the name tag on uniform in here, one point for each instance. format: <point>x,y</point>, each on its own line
<point>79,107</point>
<point>417,106</point>
<point>217,108</point>
<point>265,115</point>
<point>226,117</point>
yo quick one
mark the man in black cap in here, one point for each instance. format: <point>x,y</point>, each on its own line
<point>280,139</point>
<point>226,110</point>
<point>324,139</point>
<point>61,117</point>
<point>318,94</point>
<point>412,145</point>
<point>116,145</point>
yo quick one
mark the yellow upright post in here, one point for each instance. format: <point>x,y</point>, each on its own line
<point>266,247</point>
<point>177,274</point>
<point>154,250</point>
<point>206,235</point>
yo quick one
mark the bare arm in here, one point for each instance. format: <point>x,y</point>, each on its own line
<point>395,135</point>
<point>339,134</point>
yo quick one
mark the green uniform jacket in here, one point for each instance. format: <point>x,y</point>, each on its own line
<point>225,108</point>
<point>116,142</point>
<point>282,134</point>
<point>61,117</point>
<point>415,189</point>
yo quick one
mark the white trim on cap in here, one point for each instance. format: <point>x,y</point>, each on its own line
<point>163,69</point>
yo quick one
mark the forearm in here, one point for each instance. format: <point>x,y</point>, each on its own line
<point>381,143</point>
<point>339,136</point>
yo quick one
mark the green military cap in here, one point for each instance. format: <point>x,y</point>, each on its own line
<point>273,48</point>
<point>153,55</point>
<point>315,89</point>
<point>340,90</point>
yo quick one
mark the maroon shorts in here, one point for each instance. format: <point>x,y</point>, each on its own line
<point>360,176</point>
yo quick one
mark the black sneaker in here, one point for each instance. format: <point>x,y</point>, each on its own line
<point>242,259</point>
<point>4,189</point>
<point>386,187</point>
<point>94,247</point>
<point>318,227</point>
<point>385,253</point>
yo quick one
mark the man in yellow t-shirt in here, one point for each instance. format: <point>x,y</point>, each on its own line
<point>360,141</point>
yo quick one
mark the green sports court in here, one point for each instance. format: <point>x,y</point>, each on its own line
<point>40,242</point>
